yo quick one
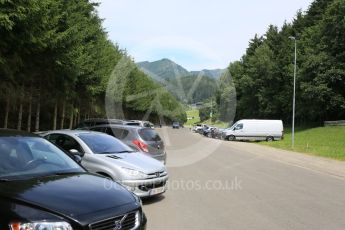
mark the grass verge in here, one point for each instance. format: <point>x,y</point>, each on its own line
<point>322,141</point>
<point>194,115</point>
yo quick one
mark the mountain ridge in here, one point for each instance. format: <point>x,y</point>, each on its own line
<point>166,69</point>
<point>187,86</point>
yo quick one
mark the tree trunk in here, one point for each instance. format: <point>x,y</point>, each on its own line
<point>63,115</point>
<point>29,112</point>
<point>75,119</point>
<point>78,120</point>
<point>20,112</point>
<point>71,119</point>
<point>7,112</point>
<point>76,111</point>
<point>38,111</point>
<point>20,115</point>
<point>55,115</point>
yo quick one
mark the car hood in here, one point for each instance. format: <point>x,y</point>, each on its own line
<point>72,196</point>
<point>136,160</point>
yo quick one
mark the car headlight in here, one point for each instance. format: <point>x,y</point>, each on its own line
<point>135,173</point>
<point>41,226</point>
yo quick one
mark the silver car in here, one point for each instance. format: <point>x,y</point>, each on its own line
<point>146,124</point>
<point>108,156</point>
<point>146,140</point>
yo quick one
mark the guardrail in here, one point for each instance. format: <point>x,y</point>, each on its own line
<point>335,123</point>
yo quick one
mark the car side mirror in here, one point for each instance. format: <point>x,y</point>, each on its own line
<point>75,152</point>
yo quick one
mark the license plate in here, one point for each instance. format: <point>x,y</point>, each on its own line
<point>156,191</point>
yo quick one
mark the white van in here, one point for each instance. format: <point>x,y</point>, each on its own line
<point>268,130</point>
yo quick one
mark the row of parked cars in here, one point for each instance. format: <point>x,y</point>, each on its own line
<point>255,130</point>
<point>92,177</point>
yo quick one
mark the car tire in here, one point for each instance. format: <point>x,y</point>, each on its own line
<point>269,139</point>
<point>231,138</point>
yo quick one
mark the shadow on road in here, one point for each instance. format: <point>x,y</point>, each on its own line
<point>152,200</point>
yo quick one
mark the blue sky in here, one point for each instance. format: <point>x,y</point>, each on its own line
<point>196,34</point>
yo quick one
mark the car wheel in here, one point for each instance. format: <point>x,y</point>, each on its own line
<point>209,135</point>
<point>269,139</point>
<point>231,138</point>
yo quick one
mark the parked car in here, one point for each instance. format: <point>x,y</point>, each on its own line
<point>146,140</point>
<point>217,133</point>
<point>208,131</point>
<point>200,128</point>
<point>268,130</point>
<point>145,124</point>
<point>176,125</point>
<point>42,187</point>
<point>102,121</point>
<point>213,132</point>
<point>108,156</point>
<point>195,128</point>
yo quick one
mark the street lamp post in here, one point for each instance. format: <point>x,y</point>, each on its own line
<point>294,94</point>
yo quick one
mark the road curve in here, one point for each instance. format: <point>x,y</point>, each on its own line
<point>246,186</point>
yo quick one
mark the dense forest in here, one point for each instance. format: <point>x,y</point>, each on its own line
<point>263,78</point>
<point>55,62</point>
<point>187,87</point>
<point>192,89</point>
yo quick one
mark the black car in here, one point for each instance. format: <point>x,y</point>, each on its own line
<point>42,187</point>
<point>176,125</point>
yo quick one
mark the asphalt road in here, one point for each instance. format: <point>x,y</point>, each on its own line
<point>245,186</point>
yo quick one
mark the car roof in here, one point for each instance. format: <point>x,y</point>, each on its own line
<point>120,126</point>
<point>71,131</point>
<point>15,133</point>
<point>102,119</point>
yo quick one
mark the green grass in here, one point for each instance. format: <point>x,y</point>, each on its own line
<point>323,141</point>
<point>196,119</point>
<point>192,113</point>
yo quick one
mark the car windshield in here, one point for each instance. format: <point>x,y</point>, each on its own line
<point>104,144</point>
<point>233,126</point>
<point>30,157</point>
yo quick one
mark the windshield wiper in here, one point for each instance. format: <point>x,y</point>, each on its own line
<point>125,151</point>
<point>65,173</point>
<point>58,174</point>
<point>113,152</point>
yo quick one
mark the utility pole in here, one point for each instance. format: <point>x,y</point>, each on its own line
<point>294,94</point>
<point>211,114</point>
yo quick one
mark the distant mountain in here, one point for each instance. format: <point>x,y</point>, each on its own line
<point>214,73</point>
<point>187,86</point>
<point>166,69</point>
<point>192,89</point>
<point>163,69</point>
